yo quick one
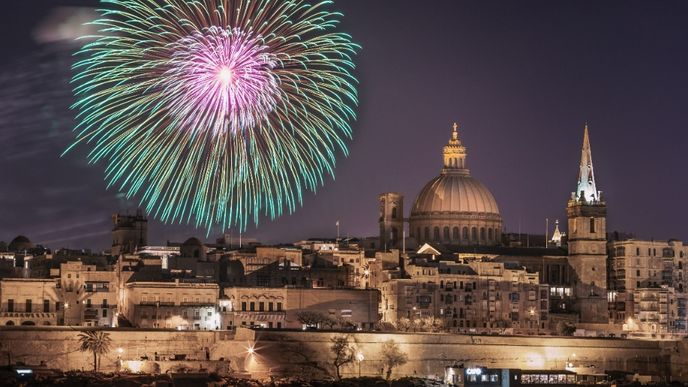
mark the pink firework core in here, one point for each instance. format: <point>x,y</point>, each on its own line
<point>224,80</point>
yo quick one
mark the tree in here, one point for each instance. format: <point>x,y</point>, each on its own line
<point>566,328</point>
<point>392,357</point>
<point>343,352</point>
<point>314,319</point>
<point>96,342</point>
<point>403,324</point>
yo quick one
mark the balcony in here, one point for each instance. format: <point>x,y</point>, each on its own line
<point>197,303</point>
<point>29,315</point>
<point>156,303</point>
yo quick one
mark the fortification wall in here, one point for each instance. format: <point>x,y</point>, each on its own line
<point>307,354</point>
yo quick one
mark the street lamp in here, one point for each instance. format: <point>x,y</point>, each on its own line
<point>360,358</point>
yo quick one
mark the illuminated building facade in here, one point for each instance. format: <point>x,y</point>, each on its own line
<point>29,301</point>
<point>656,272</point>
<point>279,308</point>
<point>172,304</point>
<point>472,297</point>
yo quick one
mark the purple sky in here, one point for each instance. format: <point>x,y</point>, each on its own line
<point>521,78</point>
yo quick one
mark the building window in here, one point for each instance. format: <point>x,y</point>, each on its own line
<point>243,306</point>
<point>474,233</point>
<point>482,233</point>
<point>105,303</point>
<point>637,251</point>
<point>270,306</point>
<point>465,233</point>
<point>261,306</point>
<point>592,225</point>
<point>436,234</point>
<point>455,233</point>
<point>637,273</point>
<point>446,233</point>
<point>10,305</point>
<point>252,306</point>
<point>88,303</point>
<point>105,312</point>
<point>394,213</point>
<point>427,233</point>
<point>28,306</point>
<point>490,235</point>
<point>279,306</point>
<point>57,306</point>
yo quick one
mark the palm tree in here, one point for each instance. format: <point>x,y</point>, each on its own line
<point>97,342</point>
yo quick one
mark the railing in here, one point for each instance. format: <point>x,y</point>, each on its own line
<point>156,303</point>
<point>197,303</point>
<point>28,314</point>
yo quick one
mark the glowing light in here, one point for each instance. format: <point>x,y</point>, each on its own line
<point>359,356</point>
<point>225,75</point>
<point>474,371</point>
<point>120,350</point>
<point>134,366</point>
<point>216,112</point>
<point>251,350</point>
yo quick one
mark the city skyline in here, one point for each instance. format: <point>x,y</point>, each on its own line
<point>621,72</point>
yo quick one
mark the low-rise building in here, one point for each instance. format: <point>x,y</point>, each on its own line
<point>650,270</point>
<point>279,308</point>
<point>89,296</point>
<point>473,297</point>
<point>175,304</point>
<point>30,301</point>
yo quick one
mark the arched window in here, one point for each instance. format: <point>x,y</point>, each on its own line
<point>427,233</point>
<point>455,234</point>
<point>474,233</point>
<point>446,233</point>
<point>436,234</point>
<point>10,322</point>
<point>489,234</point>
<point>482,233</point>
<point>465,233</point>
<point>394,213</point>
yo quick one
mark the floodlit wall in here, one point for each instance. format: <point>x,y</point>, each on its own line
<point>306,354</point>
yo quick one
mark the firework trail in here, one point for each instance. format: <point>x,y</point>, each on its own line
<point>215,112</point>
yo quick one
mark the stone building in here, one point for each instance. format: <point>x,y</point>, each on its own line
<point>175,304</point>
<point>474,297</point>
<point>278,308</point>
<point>90,296</point>
<point>653,270</point>
<point>30,301</point>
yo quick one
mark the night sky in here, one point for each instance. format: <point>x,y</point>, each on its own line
<point>521,78</point>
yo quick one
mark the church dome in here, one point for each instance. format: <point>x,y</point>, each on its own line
<point>454,193</point>
<point>455,208</point>
<point>20,243</point>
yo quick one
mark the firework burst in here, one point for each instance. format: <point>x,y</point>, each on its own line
<point>214,112</point>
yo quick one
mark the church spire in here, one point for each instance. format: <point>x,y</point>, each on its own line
<point>455,154</point>
<point>586,191</point>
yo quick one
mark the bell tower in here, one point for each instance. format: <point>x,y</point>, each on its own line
<point>391,219</point>
<point>587,242</point>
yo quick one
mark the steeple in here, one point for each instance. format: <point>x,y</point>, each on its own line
<point>455,154</point>
<point>586,191</point>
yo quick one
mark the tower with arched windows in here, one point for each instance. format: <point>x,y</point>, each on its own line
<point>587,243</point>
<point>391,219</point>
